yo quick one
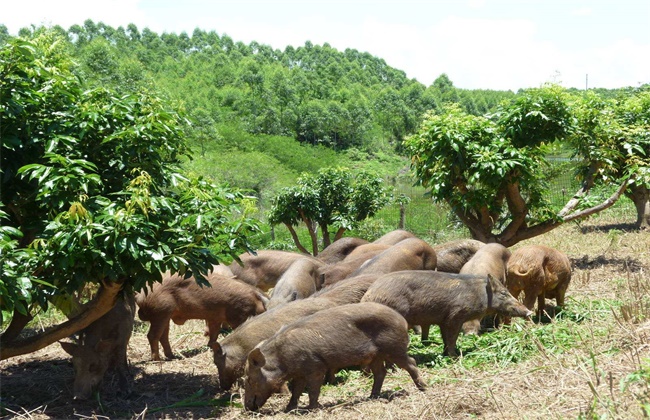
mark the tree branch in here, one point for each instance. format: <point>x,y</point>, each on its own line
<point>296,240</point>
<point>518,210</point>
<point>103,301</point>
<point>18,322</point>
<point>584,189</point>
<point>311,230</point>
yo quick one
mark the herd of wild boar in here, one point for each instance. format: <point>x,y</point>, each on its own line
<point>352,305</point>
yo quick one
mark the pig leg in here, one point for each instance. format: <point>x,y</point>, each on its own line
<point>379,373</point>
<point>156,330</point>
<point>408,364</point>
<point>214,327</point>
<point>164,341</point>
<point>541,305</point>
<point>449,338</point>
<point>298,386</point>
<point>425,331</point>
<point>314,381</point>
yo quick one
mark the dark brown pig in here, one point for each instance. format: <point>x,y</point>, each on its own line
<point>453,255</point>
<point>102,347</point>
<point>432,297</point>
<point>228,301</point>
<point>338,250</point>
<point>540,272</point>
<point>264,269</point>
<point>349,290</point>
<point>231,352</point>
<point>489,259</point>
<point>359,334</point>
<point>393,237</point>
<point>299,281</point>
<point>409,254</point>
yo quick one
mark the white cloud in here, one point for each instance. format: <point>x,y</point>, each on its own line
<point>585,11</point>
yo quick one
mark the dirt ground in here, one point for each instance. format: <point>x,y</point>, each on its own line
<point>582,382</point>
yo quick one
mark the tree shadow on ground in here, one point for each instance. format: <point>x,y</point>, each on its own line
<point>45,386</point>
<point>627,264</point>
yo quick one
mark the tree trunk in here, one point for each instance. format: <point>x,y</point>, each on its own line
<point>326,236</point>
<point>103,301</point>
<point>402,216</point>
<point>640,195</point>
<point>296,240</point>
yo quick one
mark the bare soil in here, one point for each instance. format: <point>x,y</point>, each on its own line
<point>609,262</point>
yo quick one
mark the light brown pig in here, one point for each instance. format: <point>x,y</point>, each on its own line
<point>408,254</point>
<point>101,348</point>
<point>393,237</point>
<point>489,259</point>
<point>299,281</point>
<point>540,272</point>
<point>333,273</point>
<point>177,299</point>
<point>338,250</point>
<point>265,268</point>
<point>359,334</point>
<point>453,255</point>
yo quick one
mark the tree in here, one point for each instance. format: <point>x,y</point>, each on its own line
<point>333,198</point>
<point>613,145</point>
<point>92,196</point>
<point>490,170</point>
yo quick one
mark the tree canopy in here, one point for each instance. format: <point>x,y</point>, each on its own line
<point>93,195</point>
<point>335,197</point>
<point>490,169</point>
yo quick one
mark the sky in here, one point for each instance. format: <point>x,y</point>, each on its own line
<point>479,44</point>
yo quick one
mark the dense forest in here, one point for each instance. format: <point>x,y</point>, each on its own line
<point>280,112</point>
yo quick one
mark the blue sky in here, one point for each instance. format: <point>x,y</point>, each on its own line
<point>479,44</point>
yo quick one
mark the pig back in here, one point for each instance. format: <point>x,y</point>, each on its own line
<point>429,297</point>
<point>349,290</point>
<point>453,255</point>
<point>489,259</point>
<point>409,254</point>
<point>340,249</point>
<point>264,269</point>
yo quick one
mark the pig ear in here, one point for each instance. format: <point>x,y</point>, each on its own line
<point>217,349</point>
<point>294,296</point>
<point>257,358</point>
<point>70,348</point>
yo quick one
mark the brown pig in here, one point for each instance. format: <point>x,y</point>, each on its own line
<point>408,254</point>
<point>359,334</point>
<point>453,255</point>
<point>333,273</point>
<point>349,290</point>
<point>228,301</point>
<point>426,297</point>
<point>489,259</point>
<point>101,348</point>
<point>338,250</point>
<point>264,269</point>
<point>393,237</point>
<point>540,272</point>
<point>299,281</point>
<point>231,352</point>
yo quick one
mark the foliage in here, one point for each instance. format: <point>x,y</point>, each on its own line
<point>334,197</point>
<point>491,169</point>
<point>91,189</point>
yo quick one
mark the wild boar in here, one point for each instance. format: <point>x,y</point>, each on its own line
<point>333,273</point>
<point>426,297</point>
<point>228,300</point>
<point>408,254</point>
<point>349,290</point>
<point>359,334</point>
<point>101,348</point>
<point>264,269</point>
<point>540,272</point>
<point>453,255</point>
<point>338,250</point>
<point>393,237</point>
<point>489,259</point>
<point>299,281</point>
<point>231,352</point>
